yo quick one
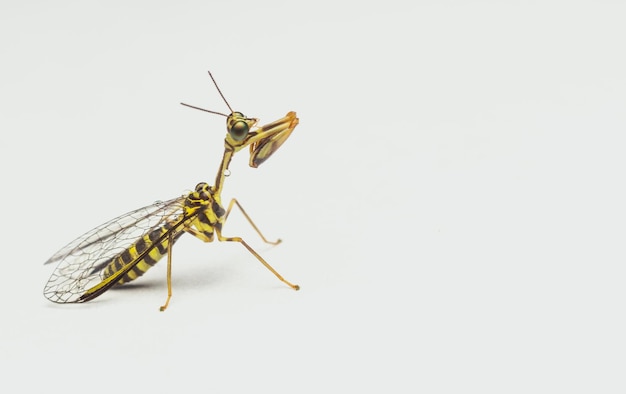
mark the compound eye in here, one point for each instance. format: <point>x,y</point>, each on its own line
<point>239,130</point>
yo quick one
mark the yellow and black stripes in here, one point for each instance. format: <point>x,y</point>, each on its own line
<point>204,207</point>
<point>149,246</point>
<point>202,211</point>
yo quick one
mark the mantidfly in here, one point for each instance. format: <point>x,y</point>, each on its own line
<point>124,248</point>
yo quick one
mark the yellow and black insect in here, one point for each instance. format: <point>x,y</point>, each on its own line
<point>124,248</point>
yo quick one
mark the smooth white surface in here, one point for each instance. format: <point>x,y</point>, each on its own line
<point>452,202</point>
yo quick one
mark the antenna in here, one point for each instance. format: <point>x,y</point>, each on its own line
<point>205,110</point>
<point>223,98</point>
<point>220,92</point>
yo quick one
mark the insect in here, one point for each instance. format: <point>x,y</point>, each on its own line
<point>124,248</point>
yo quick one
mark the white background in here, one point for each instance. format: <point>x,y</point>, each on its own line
<point>452,202</point>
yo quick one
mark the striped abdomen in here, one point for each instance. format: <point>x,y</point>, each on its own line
<point>149,242</point>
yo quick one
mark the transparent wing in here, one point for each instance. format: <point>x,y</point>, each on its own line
<point>81,262</point>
